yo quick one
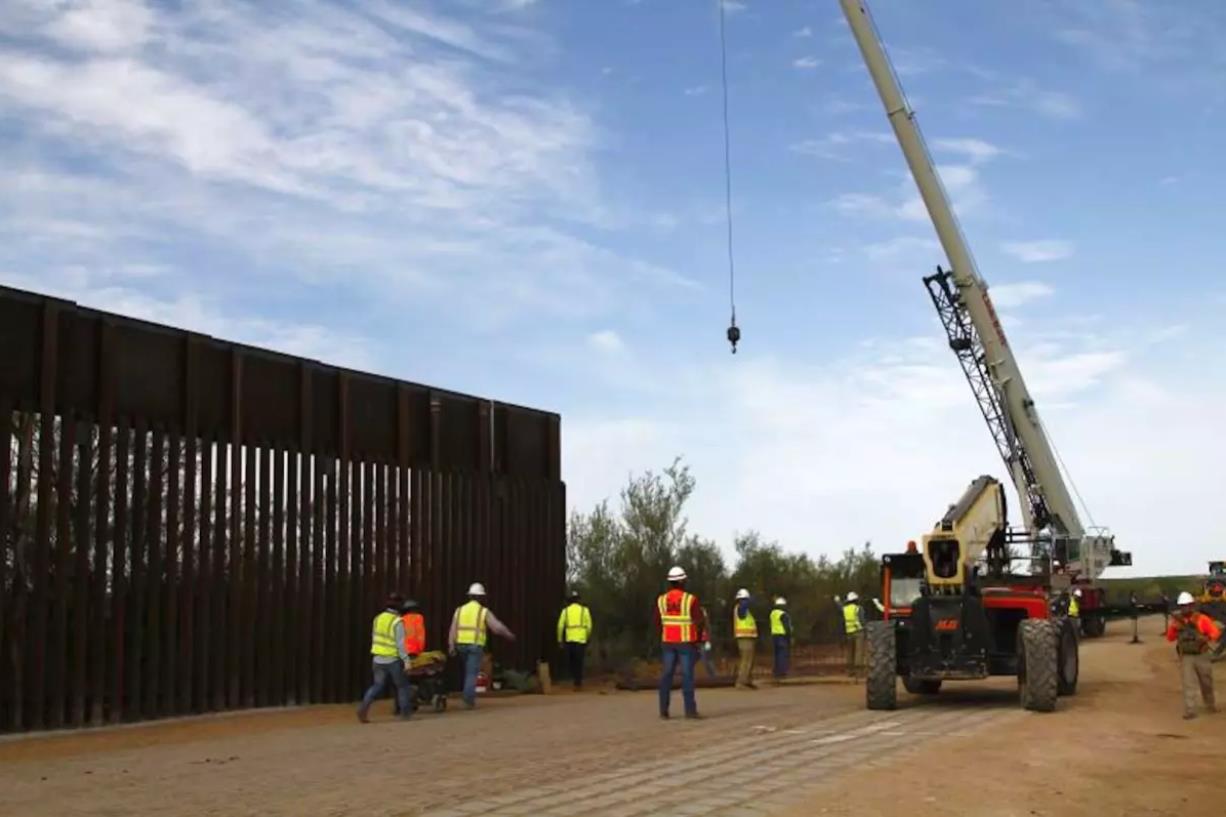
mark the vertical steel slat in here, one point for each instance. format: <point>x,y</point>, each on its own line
<point>37,640</point>
<point>223,648</point>
<point>318,558</point>
<point>100,582</point>
<point>154,576</point>
<point>363,605</point>
<point>202,632</point>
<point>190,593</point>
<point>383,579</point>
<point>260,614</point>
<point>57,660</point>
<point>337,533</point>
<point>295,599</point>
<point>403,537</point>
<point>7,595</point>
<point>276,691</point>
<point>234,566</point>
<point>139,561</point>
<point>80,618</point>
<point>342,579</point>
<point>248,626</point>
<point>170,615</point>
<point>119,574</point>
<point>25,489</point>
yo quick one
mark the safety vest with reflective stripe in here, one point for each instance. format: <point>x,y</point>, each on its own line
<point>383,635</point>
<point>575,624</point>
<point>851,618</point>
<point>1074,609</point>
<point>470,627</point>
<point>777,627</point>
<point>745,627</point>
<point>414,633</point>
<point>676,617</point>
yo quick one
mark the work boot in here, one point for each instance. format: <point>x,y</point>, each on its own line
<point>1188,716</point>
<point>664,716</point>
<point>362,712</point>
<point>693,716</point>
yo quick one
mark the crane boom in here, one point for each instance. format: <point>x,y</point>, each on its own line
<point>976,335</point>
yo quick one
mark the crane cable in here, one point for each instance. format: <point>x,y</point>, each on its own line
<point>734,333</point>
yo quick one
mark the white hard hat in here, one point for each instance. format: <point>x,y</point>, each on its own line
<point>1077,592</point>
<point>853,596</point>
<point>676,574</point>
<point>476,589</point>
<point>1185,598</point>
<point>742,594</point>
<point>781,602</point>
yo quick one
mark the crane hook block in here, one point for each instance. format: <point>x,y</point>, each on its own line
<point>734,336</point>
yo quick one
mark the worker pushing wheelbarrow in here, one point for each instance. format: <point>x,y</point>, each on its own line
<point>427,669</point>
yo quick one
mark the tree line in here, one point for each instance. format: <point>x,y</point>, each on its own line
<point>617,559</point>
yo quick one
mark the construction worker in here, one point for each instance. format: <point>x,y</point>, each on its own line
<point>574,630</point>
<point>414,624</point>
<point>704,641</point>
<point>679,617</point>
<point>1074,604</point>
<point>1192,632</point>
<point>470,628</point>
<point>781,637</point>
<point>745,629</point>
<point>853,628</point>
<point>390,660</point>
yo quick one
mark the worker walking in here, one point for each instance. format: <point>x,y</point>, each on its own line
<point>390,662</point>
<point>679,617</point>
<point>745,628</point>
<point>1192,632</point>
<point>781,637</point>
<point>470,628</point>
<point>1074,604</point>
<point>853,628</point>
<point>574,630</point>
<point>414,624</point>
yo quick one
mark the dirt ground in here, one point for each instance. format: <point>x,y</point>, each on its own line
<point>1117,748</point>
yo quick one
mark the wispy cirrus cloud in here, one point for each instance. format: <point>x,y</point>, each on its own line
<point>392,148</point>
<point>1011,296</point>
<point>807,63</point>
<point>1039,250</point>
<point>1028,95</point>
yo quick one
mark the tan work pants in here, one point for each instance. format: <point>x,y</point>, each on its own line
<point>855,653</point>
<point>1197,670</point>
<point>746,650</point>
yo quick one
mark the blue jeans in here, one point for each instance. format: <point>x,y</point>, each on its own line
<point>675,654</point>
<point>471,655</point>
<point>393,672</point>
<point>783,650</point>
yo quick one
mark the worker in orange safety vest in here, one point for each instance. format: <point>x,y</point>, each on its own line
<point>681,619</point>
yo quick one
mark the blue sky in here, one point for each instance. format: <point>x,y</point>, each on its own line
<point>523,199</point>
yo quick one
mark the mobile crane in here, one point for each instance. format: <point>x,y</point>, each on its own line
<point>974,617</point>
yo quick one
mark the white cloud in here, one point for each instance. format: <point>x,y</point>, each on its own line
<point>734,6</point>
<point>901,246</point>
<point>1039,251</point>
<point>1010,296</point>
<point>1029,95</point>
<point>806,63</point>
<point>697,90</point>
<point>976,151</point>
<point>606,341</point>
<point>890,411</point>
<point>804,31</point>
<point>102,25</point>
<point>835,145</point>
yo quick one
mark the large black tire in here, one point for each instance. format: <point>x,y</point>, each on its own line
<point>1094,626</point>
<point>1038,666</point>
<point>1070,659</point>
<point>917,686</point>
<point>881,690</point>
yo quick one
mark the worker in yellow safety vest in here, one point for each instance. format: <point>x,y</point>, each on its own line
<point>574,630</point>
<point>745,628</point>
<point>781,637</point>
<point>390,662</point>
<point>853,628</point>
<point>1074,604</point>
<point>470,628</point>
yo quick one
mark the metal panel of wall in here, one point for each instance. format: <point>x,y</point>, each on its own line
<point>189,525</point>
